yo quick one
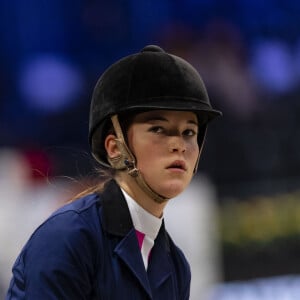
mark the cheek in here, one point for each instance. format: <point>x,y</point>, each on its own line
<point>143,149</point>
<point>148,155</point>
<point>193,150</point>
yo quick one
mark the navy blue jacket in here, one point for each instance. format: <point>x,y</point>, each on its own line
<point>88,249</point>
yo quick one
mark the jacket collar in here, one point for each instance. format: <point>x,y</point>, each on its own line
<point>116,216</point>
<point>117,221</point>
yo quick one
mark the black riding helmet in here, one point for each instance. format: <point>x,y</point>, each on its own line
<point>149,80</point>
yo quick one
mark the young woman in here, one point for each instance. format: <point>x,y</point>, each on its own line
<point>148,120</point>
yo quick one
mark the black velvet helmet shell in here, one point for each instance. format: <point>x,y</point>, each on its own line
<point>148,80</point>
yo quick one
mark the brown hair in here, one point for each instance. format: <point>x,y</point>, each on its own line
<point>94,185</point>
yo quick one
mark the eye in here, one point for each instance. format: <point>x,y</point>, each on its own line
<point>189,132</point>
<point>156,129</point>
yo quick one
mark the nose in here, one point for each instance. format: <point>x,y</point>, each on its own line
<point>176,144</point>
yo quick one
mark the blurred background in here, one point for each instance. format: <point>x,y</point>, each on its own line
<point>246,218</point>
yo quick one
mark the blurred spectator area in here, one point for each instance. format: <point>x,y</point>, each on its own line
<point>248,53</point>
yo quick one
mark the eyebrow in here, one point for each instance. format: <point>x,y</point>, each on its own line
<point>160,118</point>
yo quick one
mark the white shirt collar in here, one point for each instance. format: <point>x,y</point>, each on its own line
<point>142,220</point>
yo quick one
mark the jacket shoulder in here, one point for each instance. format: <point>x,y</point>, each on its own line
<point>75,218</point>
<point>62,254</point>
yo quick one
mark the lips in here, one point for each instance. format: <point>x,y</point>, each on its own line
<point>177,164</point>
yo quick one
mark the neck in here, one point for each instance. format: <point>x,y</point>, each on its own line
<point>131,187</point>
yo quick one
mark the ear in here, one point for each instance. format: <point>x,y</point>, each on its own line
<point>111,146</point>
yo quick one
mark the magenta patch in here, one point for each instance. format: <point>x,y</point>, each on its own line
<point>140,237</point>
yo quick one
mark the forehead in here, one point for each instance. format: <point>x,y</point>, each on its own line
<point>167,115</point>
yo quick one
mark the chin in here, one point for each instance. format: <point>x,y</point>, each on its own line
<point>172,190</point>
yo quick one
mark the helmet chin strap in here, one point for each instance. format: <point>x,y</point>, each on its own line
<point>126,160</point>
<point>200,150</point>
